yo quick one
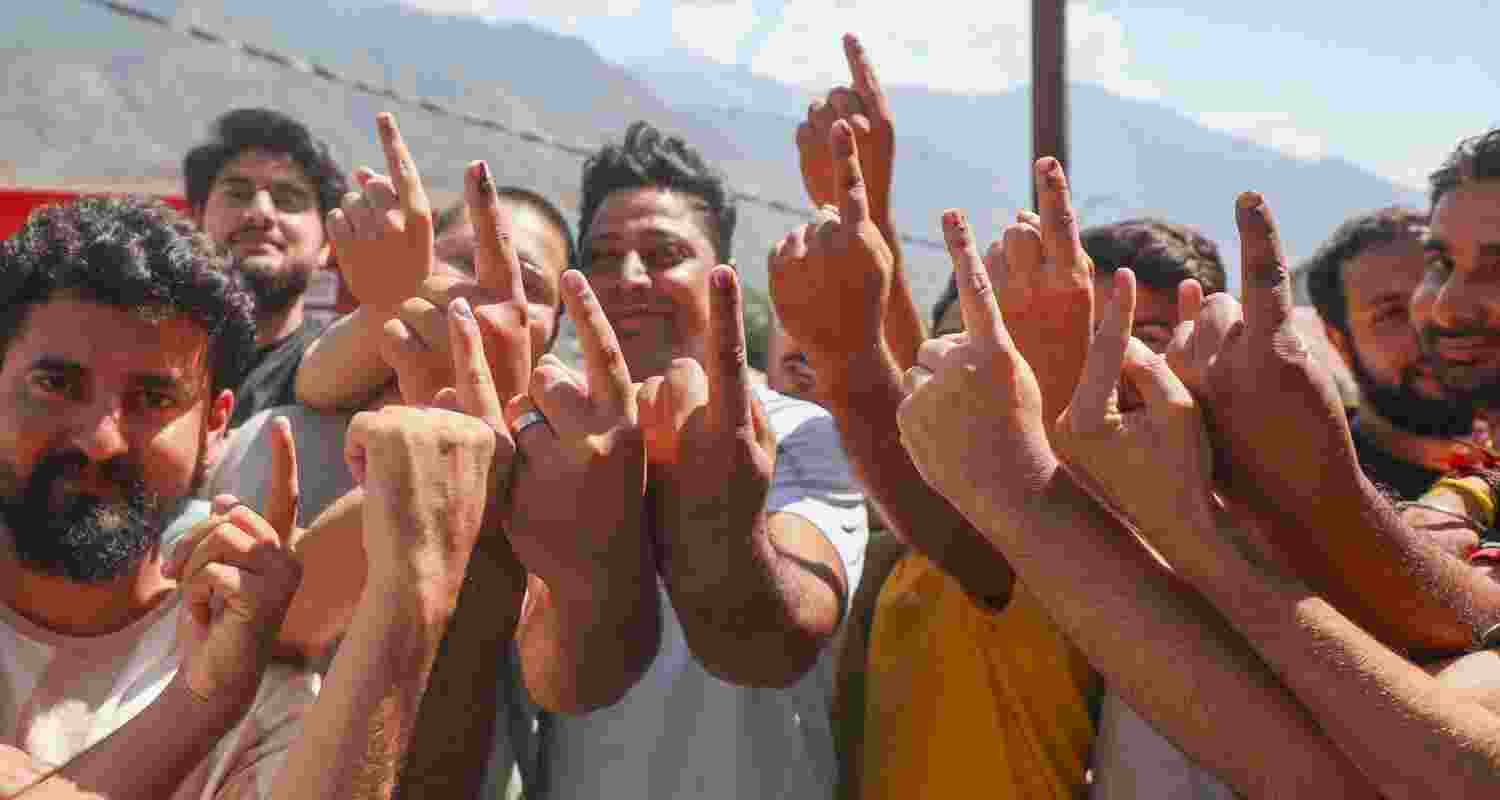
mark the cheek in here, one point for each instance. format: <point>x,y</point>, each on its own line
<point>169,455</point>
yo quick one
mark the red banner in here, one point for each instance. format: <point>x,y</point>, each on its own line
<point>17,202</point>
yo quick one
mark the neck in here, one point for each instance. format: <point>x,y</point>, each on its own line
<point>76,609</point>
<point>274,328</point>
<point>1428,451</point>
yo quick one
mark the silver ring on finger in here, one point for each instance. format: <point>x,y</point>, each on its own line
<point>526,420</point>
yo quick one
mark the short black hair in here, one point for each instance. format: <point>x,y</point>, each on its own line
<point>1474,159</point>
<point>1325,270</point>
<point>649,158</point>
<point>130,253</point>
<point>1161,254</point>
<point>262,129</point>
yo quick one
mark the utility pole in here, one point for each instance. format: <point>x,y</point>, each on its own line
<point>1049,84</point>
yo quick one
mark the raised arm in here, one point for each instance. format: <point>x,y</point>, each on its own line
<point>863,106</point>
<point>976,429</point>
<point>384,236</point>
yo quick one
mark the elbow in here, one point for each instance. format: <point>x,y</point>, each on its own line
<point>764,660</point>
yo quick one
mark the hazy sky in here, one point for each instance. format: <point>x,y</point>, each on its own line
<point>1389,86</point>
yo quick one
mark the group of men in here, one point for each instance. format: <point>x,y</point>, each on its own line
<point>1132,525</point>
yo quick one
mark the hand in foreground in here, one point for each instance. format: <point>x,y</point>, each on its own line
<point>383,233</point>
<point>1297,451</point>
<point>238,575</point>
<point>426,471</point>
<point>709,431</point>
<point>1047,293</point>
<point>416,343</point>
<point>973,421</point>
<point>1145,451</point>
<point>863,107</point>
<point>581,481</point>
<point>830,280</point>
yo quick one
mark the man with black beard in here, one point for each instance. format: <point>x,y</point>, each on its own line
<point>260,187</point>
<point>1407,429</point>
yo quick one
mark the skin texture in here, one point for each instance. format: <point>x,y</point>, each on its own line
<point>113,385</point>
<point>263,211</point>
<point>1459,294</point>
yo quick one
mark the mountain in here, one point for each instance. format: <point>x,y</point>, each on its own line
<point>94,96</point>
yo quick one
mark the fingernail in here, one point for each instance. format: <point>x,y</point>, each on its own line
<point>954,219</point>
<point>460,306</point>
<point>486,182</point>
<point>384,119</point>
<point>1250,200</point>
<point>721,279</point>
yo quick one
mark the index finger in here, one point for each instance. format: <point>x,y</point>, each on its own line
<point>1267,283</point>
<point>497,266</point>
<point>403,170</point>
<point>608,375</point>
<point>472,378</point>
<point>1059,222</point>
<point>866,85</point>
<point>728,381</point>
<point>283,491</point>
<point>976,294</point>
<point>848,176</point>
<point>1101,370</point>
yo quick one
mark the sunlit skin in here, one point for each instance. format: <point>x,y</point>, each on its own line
<point>649,256</point>
<point>1460,291</point>
<point>262,210</point>
<point>787,370</point>
<point>110,384</point>
<point>543,255</point>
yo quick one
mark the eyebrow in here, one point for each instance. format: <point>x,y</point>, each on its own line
<point>281,183</point>
<point>1435,244</point>
<point>656,233</point>
<point>59,364</point>
<point>1489,249</point>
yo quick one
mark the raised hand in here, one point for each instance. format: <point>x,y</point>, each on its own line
<point>1148,454</point>
<point>863,107</point>
<point>726,453</point>
<point>383,233</point>
<point>1274,413</point>
<point>973,422</point>
<point>579,490</point>
<point>416,343</point>
<point>1047,293</point>
<point>830,281</point>
<point>238,575</point>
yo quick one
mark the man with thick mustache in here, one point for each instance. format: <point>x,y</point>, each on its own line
<point>260,188</point>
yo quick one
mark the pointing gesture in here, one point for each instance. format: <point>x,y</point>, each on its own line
<point>383,233</point>
<point>862,106</point>
<point>238,576</point>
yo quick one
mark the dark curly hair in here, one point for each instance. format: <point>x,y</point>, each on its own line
<point>1325,270</point>
<point>262,129</point>
<point>1161,254</point>
<point>1475,159</point>
<point>130,253</point>
<point>649,158</point>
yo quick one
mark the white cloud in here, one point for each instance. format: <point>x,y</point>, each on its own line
<point>1273,129</point>
<point>713,27</point>
<point>949,45</point>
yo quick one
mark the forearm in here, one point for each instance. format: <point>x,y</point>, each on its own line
<point>343,368</point>
<point>1394,581</point>
<point>753,612</point>
<point>332,552</point>
<point>865,392</point>
<point>1162,647</point>
<point>163,744</point>
<point>1395,721</point>
<point>903,328</point>
<point>353,738</point>
<point>586,640</point>
<point>455,728</point>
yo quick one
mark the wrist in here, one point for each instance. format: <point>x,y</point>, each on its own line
<point>210,717</point>
<point>843,376</point>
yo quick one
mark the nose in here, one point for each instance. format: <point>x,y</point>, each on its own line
<point>1456,304</point>
<point>633,272</point>
<point>99,432</point>
<point>261,209</point>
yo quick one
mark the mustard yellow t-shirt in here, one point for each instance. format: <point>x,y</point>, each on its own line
<point>963,701</point>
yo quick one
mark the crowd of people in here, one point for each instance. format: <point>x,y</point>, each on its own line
<point>1107,530</point>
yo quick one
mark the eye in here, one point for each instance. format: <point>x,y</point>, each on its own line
<point>156,400</point>
<point>50,383</point>
<point>1438,265</point>
<point>291,200</point>
<point>666,255</point>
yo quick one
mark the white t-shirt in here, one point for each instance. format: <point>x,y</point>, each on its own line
<point>683,733</point>
<point>61,694</point>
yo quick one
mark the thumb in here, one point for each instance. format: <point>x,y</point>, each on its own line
<point>849,177</point>
<point>282,491</point>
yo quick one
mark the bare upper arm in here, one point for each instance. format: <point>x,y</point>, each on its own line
<point>824,589</point>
